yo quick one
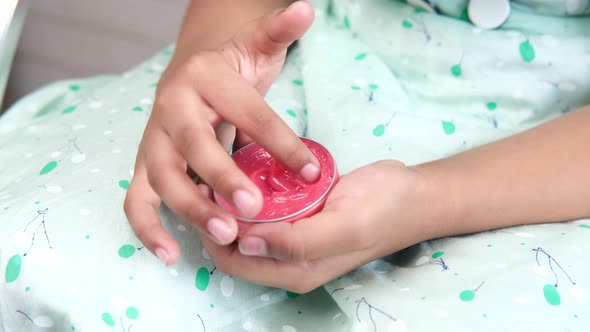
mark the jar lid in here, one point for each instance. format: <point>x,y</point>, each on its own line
<point>285,196</point>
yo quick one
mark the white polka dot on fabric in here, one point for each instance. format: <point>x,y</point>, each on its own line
<point>116,151</point>
<point>146,101</point>
<point>72,292</point>
<point>95,170</point>
<point>397,326</point>
<point>227,286</point>
<point>265,297</point>
<point>173,272</point>
<point>517,94</point>
<point>92,260</point>
<point>78,158</point>
<point>55,154</point>
<point>79,126</point>
<point>43,321</point>
<point>476,31</point>
<point>422,260</point>
<point>520,300</point>
<point>514,34</point>
<point>440,313</point>
<point>205,254</point>
<point>20,240</point>
<point>578,292</point>
<point>181,228</point>
<point>540,270</point>
<point>118,302</point>
<point>248,325</point>
<point>157,67</point>
<point>95,104</point>
<point>567,86</point>
<point>289,328</point>
<point>53,189</point>
<point>107,132</point>
<point>549,41</point>
<point>353,287</point>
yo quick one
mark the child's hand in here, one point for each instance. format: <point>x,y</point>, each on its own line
<point>372,212</point>
<point>192,100</point>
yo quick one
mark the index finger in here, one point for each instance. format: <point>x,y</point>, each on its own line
<point>246,109</point>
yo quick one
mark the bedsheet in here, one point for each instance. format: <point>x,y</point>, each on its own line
<point>397,82</point>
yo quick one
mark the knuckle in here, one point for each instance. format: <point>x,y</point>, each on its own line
<point>196,63</point>
<point>293,154</point>
<point>155,171</point>
<point>201,63</point>
<point>186,138</point>
<point>194,212</point>
<point>261,119</point>
<point>295,247</point>
<point>222,182</point>
<point>144,234</point>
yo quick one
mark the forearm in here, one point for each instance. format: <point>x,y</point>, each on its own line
<point>540,175</point>
<point>209,23</point>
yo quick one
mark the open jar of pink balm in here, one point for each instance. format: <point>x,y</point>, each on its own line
<point>286,198</point>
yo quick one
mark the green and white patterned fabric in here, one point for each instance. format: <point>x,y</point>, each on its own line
<point>371,80</point>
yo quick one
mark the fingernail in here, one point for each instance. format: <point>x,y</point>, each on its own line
<point>220,230</point>
<point>245,203</point>
<point>253,246</point>
<point>310,172</point>
<point>162,255</point>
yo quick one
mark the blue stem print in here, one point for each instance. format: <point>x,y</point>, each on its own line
<point>42,223</point>
<point>363,301</point>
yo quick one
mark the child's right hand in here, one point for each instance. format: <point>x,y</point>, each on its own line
<point>191,101</point>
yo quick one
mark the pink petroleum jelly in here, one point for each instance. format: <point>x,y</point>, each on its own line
<point>286,198</point>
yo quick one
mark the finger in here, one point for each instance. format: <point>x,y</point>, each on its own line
<point>275,32</point>
<point>141,207</point>
<point>240,104</point>
<point>198,145</point>
<point>241,140</point>
<point>328,233</point>
<point>299,277</point>
<point>167,176</point>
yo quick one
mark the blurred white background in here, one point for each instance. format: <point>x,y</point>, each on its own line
<point>72,38</point>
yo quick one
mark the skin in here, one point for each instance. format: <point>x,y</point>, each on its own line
<point>489,187</point>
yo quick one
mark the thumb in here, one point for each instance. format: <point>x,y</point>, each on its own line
<point>273,33</point>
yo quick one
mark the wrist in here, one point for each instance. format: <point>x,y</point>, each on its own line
<point>438,201</point>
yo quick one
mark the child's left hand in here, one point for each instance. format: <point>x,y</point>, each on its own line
<point>371,212</point>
